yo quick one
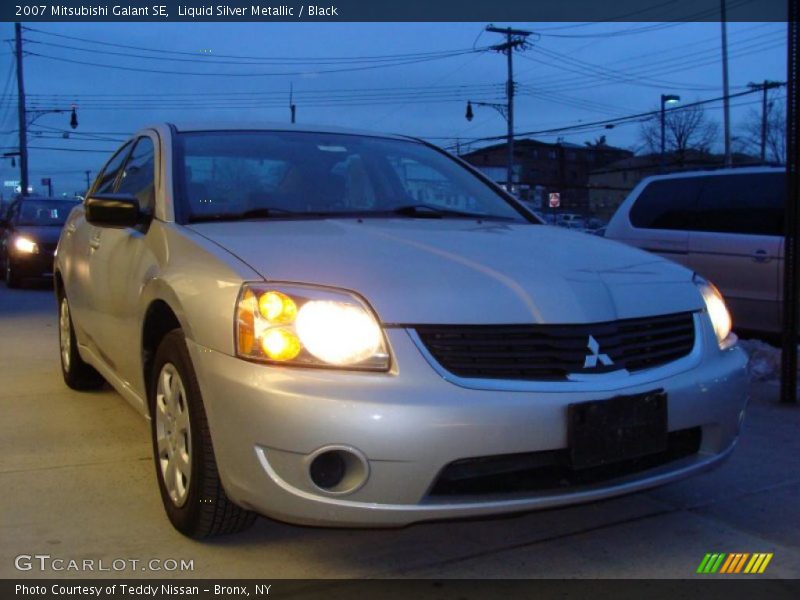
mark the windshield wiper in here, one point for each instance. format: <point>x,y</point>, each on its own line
<point>254,213</point>
<point>426,211</point>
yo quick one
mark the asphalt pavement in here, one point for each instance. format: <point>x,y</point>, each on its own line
<point>77,483</point>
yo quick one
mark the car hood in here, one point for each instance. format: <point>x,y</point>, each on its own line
<point>41,234</point>
<point>459,271</point>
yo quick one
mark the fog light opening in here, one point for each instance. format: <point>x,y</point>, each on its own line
<point>338,470</point>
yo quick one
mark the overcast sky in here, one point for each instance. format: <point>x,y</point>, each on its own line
<point>572,73</point>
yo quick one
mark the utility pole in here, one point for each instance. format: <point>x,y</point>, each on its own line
<point>88,180</point>
<point>292,107</point>
<point>791,263</point>
<point>764,87</point>
<point>23,118</point>
<point>726,108</point>
<point>514,39</point>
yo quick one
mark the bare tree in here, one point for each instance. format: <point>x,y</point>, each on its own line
<point>776,132</point>
<point>685,129</point>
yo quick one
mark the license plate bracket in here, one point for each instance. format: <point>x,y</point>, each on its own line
<point>603,432</point>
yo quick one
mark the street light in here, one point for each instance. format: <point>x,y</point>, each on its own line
<point>503,110</point>
<point>665,99</point>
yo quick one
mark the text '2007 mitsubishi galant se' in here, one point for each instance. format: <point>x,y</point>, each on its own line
<point>339,328</point>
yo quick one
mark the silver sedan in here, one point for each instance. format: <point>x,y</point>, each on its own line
<point>340,328</point>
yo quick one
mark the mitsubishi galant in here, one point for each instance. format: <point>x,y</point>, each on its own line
<point>350,329</point>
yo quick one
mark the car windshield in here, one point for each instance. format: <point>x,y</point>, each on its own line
<point>44,212</point>
<point>231,175</point>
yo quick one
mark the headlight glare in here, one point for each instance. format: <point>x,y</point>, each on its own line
<point>717,310</point>
<point>338,333</point>
<point>25,245</point>
<point>308,326</point>
<point>276,307</point>
<point>281,344</point>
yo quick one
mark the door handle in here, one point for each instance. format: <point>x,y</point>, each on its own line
<point>761,256</point>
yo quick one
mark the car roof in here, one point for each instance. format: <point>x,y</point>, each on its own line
<point>273,126</point>
<point>705,172</point>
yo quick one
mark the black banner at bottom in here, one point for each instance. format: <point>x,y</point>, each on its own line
<point>730,588</point>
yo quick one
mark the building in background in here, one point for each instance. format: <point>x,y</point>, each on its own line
<point>541,168</point>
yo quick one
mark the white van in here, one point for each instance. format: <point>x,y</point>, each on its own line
<point>727,225</point>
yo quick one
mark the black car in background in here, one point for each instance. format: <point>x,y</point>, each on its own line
<point>29,232</point>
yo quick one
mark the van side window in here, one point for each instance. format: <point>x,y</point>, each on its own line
<point>666,204</point>
<point>749,203</point>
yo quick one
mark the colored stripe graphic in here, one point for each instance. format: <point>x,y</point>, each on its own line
<point>711,562</point>
<point>728,564</point>
<point>741,562</point>
<point>765,563</point>
<point>716,565</point>
<point>704,563</point>
<point>734,563</point>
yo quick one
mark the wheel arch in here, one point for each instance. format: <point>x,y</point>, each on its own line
<point>161,314</point>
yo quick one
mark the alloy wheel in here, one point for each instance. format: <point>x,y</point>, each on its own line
<point>64,334</point>
<point>173,434</point>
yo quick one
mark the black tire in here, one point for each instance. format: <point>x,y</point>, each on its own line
<point>77,374</point>
<point>13,280</point>
<point>205,509</point>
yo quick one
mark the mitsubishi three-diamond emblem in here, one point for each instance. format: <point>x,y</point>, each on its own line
<point>592,359</point>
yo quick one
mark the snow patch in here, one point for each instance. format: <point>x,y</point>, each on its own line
<point>765,360</point>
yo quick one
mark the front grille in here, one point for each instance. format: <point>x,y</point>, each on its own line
<point>551,469</point>
<point>551,352</point>
<point>48,249</point>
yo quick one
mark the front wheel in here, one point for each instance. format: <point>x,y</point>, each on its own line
<point>186,469</point>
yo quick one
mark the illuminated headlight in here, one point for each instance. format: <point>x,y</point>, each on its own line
<point>717,311</point>
<point>26,246</point>
<point>307,326</point>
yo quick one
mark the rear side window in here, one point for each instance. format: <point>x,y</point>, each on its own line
<point>750,203</point>
<point>666,204</point>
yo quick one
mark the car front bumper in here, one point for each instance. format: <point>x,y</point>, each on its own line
<point>32,265</point>
<point>268,422</point>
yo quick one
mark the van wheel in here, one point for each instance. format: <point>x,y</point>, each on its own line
<point>77,374</point>
<point>186,469</point>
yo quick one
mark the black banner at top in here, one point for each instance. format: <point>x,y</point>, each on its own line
<point>391,10</point>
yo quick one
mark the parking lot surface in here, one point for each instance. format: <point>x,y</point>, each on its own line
<point>78,483</point>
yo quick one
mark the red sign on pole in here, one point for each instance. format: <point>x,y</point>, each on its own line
<point>555,199</point>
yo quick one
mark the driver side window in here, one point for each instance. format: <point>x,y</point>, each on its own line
<point>138,175</point>
<point>108,176</point>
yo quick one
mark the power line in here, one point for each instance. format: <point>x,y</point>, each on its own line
<point>677,64</point>
<point>640,116</point>
<point>622,17</point>
<point>699,16</point>
<point>644,59</point>
<point>268,62</point>
<point>257,74</point>
<point>282,59</point>
<point>53,148</point>
<point>326,92</point>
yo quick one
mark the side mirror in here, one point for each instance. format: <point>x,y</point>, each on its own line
<point>113,210</point>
